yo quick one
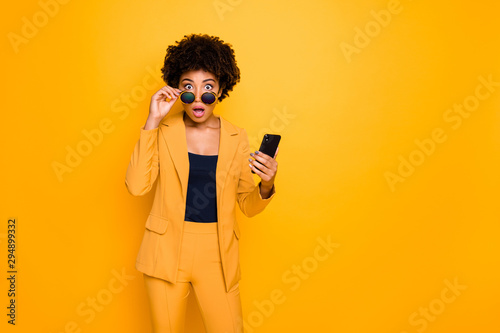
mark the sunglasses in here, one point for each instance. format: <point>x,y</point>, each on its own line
<point>188,97</point>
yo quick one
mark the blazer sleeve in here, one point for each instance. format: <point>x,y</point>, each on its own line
<point>143,168</point>
<point>249,198</point>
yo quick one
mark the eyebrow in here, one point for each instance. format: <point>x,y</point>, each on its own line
<point>201,81</point>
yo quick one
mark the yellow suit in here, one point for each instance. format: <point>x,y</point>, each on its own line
<point>162,153</point>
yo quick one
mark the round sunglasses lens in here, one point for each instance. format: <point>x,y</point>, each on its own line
<point>187,97</point>
<point>208,98</point>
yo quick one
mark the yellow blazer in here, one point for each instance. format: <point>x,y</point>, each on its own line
<point>162,154</point>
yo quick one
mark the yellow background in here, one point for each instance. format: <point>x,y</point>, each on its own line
<point>345,122</point>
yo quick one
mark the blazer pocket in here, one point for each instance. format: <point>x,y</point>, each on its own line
<point>157,224</point>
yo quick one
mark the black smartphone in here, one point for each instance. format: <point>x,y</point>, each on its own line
<point>269,145</point>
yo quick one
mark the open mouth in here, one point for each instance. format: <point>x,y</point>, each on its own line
<point>198,112</point>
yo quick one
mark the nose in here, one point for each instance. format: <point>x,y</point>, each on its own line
<point>197,94</point>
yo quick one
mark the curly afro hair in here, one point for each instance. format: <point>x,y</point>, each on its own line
<point>201,51</point>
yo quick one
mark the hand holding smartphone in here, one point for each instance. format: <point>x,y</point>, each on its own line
<point>269,145</point>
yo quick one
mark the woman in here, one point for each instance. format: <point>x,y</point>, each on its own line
<point>203,165</point>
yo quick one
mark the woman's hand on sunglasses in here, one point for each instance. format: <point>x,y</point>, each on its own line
<point>162,101</point>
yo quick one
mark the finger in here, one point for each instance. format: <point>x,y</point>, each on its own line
<point>266,159</point>
<point>276,154</point>
<point>170,96</point>
<point>263,158</point>
<point>163,94</point>
<point>169,93</point>
<point>257,171</point>
<point>174,91</point>
<point>264,168</point>
<point>260,161</point>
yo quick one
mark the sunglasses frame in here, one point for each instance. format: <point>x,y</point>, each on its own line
<point>207,92</point>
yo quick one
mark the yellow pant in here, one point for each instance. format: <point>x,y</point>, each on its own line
<point>199,265</point>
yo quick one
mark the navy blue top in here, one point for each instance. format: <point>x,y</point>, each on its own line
<point>201,201</point>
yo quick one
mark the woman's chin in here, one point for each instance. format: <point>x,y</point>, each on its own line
<point>198,117</point>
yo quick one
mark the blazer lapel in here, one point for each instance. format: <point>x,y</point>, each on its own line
<point>173,131</point>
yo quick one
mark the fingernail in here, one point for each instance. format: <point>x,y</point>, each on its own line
<point>256,151</point>
<point>250,160</point>
<point>251,154</point>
